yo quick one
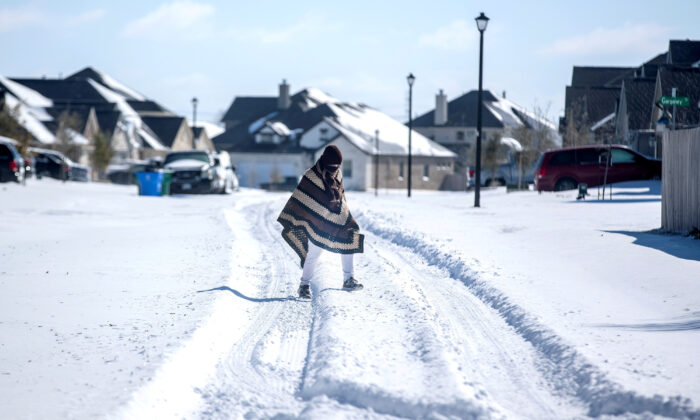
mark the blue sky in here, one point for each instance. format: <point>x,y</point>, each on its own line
<point>359,51</point>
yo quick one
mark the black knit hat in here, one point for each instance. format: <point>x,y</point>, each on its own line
<point>331,156</point>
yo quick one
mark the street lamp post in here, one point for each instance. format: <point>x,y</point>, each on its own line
<point>481,22</point>
<point>194,121</point>
<point>376,162</point>
<point>410,78</point>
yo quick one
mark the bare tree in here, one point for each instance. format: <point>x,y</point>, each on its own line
<point>68,127</point>
<point>101,154</point>
<point>11,126</point>
<point>491,158</point>
<point>577,129</point>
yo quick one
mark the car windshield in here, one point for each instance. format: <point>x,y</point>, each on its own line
<point>202,156</point>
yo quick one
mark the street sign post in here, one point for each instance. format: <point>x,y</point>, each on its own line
<point>675,101</point>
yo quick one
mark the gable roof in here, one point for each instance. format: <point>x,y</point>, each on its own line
<point>639,97</point>
<point>165,127</point>
<point>308,108</point>
<point>683,53</point>
<point>591,76</point>
<point>246,109</point>
<point>107,120</point>
<point>590,104</point>
<point>146,106</point>
<point>461,112</point>
<point>106,81</point>
<point>687,81</point>
<point>64,91</point>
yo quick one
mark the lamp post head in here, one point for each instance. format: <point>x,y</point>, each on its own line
<point>481,22</point>
<point>195,101</point>
<point>410,78</point>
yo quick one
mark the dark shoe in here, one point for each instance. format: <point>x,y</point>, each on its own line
<point>304,292</point>
<point>351,284</point>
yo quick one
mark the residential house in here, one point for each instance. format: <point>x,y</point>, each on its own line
<point>139,128</point>
<point>620,104</point>
<point>273,138</point>
<point>453,124</point>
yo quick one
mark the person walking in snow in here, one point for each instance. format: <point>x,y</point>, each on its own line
<point>317,218</point>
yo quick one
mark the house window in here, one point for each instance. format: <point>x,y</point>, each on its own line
<point>347,168</point>
<point>324,134</point>
<point>266,138</point>
<point>426,172</point>
<point>460,135</point>
<point>400,171</point>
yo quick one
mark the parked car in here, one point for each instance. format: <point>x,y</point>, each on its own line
<point>125,174</point>
<point>289,183</point>
<point>50,163</point>
<point>563,169</point>
<point>11,163</point>
<point>507,171</point>
<point>222,163</point>
<point>197,171</point>
<point>78,172</point>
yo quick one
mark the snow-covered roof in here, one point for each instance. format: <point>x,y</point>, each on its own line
<point>114,97</point>
<point>358,123</point>
<point>149,139</point>
<point>28,96</point>
<point>279,128</point>
<point>29,118</point>
<point>602,121</point>
<point>512,143</point>
<point>212,129</point>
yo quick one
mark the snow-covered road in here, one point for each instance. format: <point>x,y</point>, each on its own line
<point>429,336</point>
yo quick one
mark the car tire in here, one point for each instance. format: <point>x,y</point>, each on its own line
<point>565,184</point>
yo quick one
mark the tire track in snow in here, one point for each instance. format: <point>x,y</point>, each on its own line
<point>485,348</point>
<point>379,350</point>
<point>571,373</point>
<point>261,373</point>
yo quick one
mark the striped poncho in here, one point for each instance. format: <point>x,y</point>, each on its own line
<point>310,216</point>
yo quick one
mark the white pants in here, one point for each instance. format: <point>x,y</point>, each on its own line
<point>312,258</point>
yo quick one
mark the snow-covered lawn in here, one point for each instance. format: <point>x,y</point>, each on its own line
<point>533,306</point>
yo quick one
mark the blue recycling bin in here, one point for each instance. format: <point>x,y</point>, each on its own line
<point>150,183</point>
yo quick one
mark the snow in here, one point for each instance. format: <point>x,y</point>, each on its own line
<point>359,123</point>
<point>31,121</point>
<point>512,143</point>
<point>112,96</point>
<point>212,129</point>
<point>113,84</point>
<point>28,96</point>
<point>195,164</point>
<point>260,122</point>
<point>602,121</point>
<point>318,97</point>
<point>532,306</point>
<point>150,139</point>
<point>279,128</point>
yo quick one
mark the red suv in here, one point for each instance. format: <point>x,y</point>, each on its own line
<point>564,169</point>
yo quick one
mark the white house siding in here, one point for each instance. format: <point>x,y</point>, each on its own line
<point>256,168</point>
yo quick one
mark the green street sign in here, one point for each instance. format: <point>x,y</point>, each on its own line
<point>677,101</point>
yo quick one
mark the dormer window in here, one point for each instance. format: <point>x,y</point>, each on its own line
<point>267,138</point>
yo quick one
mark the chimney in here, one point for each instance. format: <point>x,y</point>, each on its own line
<point>283,100</point>
<point>440,108</point>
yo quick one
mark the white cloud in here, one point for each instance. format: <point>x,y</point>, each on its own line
<point>170,20</point>
<point>23,17</point>
<point>460,35</point>
<point>645,38</point>
<point>307,25</point>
